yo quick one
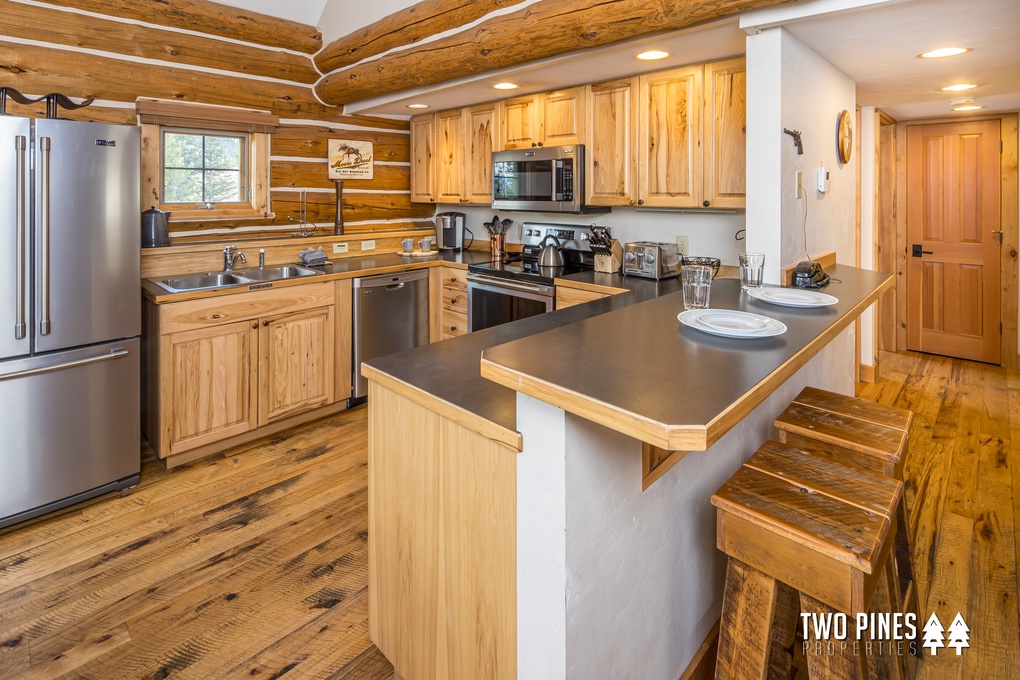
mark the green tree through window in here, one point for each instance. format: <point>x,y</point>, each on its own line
<point>204,168</point>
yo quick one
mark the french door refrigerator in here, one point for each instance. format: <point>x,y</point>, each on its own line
<point>70,313</point>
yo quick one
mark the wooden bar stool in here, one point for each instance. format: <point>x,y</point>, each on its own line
<point>790,520</point>
<point>859,433</point>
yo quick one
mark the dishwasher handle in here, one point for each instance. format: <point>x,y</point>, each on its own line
<point>396,286</point>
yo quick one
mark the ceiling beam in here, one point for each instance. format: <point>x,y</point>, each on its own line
<point>541,30</point>
<point>406,27</point>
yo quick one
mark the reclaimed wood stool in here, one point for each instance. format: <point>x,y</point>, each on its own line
<point>795,523</point>
<point>860,433</point>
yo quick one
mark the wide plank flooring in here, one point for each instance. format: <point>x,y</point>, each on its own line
<point>252,563</point>
<point>962,477</point>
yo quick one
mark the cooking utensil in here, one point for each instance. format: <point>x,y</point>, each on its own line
<point>155,232</point>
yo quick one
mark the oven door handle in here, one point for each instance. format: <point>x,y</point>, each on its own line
<point>512,285</point>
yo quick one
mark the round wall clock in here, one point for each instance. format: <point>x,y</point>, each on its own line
<point>844,136</point>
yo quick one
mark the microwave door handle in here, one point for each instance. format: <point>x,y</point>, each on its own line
<point>555,183</point>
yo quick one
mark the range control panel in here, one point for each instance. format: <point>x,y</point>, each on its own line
<point>569,235</point>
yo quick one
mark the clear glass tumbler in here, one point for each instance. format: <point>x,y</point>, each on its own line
<point>697,285</point>
<point>752,270</point>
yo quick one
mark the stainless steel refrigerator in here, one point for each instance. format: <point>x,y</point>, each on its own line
<point>70,313</point>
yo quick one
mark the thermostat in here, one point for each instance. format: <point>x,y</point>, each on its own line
<point>823,179</point>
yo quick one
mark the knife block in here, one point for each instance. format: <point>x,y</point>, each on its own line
<point>610,264</point>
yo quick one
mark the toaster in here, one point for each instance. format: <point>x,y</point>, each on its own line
<point>651,259</point>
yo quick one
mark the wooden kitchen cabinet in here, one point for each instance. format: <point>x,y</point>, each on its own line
<point>669,132</point>
<point>482,137</point>
<point>562,117</point>
<point>296,355</point>
<point>725,124</point>
<point>568,297</point>
<point>454,301</point>
<point>423,159</point>
<point>611,159</point>
<point>519,122</point>
<point>451,145</point>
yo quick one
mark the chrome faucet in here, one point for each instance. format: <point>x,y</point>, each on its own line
<point>302,217</point>
<point>230,256</point>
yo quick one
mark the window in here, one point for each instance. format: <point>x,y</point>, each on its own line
<point>205,162</point>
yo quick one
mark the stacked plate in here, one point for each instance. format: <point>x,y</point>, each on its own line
<point>732,324</point>
<point>792,297</point>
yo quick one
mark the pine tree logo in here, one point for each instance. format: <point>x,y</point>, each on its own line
<point>959,634</point>
<point>933,630</point>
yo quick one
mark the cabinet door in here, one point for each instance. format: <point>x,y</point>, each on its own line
<point>611,152</point>
<point>209,389</point>
<point>562,117</point>
<point>295,363</point>
<point>725,134</point>
<point>670,155</point>
<point>518,122</point>
<point>450,157</point>
<point>482,137</point>
<point>423,162</point>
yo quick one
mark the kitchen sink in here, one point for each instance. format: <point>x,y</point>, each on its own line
<point>204,281</point>
<point>277,273</point>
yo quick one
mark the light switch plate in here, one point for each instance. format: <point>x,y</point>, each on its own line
<point>368,245</point>
<point>339,248</point>
<point>683,245</point>
<point>800,184</point>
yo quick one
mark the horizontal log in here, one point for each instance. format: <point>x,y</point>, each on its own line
<point>404,27</point>
<point>305,141</point>
<point>298,175</point>
<point>321,207</point>
<point>84,31</point>
<point>89,114</point>
<point>34,69</point>
<point>225,229</point>
<point>552,27</point>
<point>210,18</point>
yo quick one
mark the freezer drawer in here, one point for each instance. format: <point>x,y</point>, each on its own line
<point>71,426</point>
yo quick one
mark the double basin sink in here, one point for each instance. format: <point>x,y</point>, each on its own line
<point>241,277</point>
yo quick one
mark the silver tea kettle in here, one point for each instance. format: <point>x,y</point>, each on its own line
<point>550,255</point>
<point>155,230</point>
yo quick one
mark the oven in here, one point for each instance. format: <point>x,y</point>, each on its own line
<point>494,300</point>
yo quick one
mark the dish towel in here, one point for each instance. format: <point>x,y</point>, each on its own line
<point>313,256</point>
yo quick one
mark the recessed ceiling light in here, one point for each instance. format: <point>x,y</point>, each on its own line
<point>417,106</point>
<point>965,104</point>
<point>959,87</point>
<point>505,86</point>
<point>652,55</point>
<point>943,52</point>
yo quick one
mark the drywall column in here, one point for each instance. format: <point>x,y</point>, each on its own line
<point>613,581</point>
<point>869,131</point>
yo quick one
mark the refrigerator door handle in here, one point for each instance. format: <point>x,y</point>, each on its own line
<point>112,354</point>
<point>22,224</point>
<point>44,240</point>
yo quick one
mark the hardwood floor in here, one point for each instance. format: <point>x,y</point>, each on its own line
<point>962,478</point>
<point>253,563</point>
<point>250,563</point>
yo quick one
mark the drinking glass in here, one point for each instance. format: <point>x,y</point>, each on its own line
<point>752,269</point>
<point>697,285</point>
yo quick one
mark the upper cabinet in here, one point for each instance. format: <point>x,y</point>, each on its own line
<point>548,119</point>
<point>725,134</point>
<point>451,155</point>
<point>519,122</point>
<point>669,134</point>
<point>611,151</point>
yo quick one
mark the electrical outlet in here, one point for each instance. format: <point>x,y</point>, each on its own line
<point>339,248</point>
<point>800,184</point>
<point>368,245</point>
<point>683,245</point>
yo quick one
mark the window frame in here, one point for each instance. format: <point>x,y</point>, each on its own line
<point>244,168</point>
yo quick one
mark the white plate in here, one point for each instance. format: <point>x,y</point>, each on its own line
<point>692,318</point>
<point>733,322</point>
<point>792,297</point>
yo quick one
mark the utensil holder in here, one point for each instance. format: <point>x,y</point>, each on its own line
<point>497,243</point>
<point>610,264</point>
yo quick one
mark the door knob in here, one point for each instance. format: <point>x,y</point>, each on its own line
<point>917,252</point>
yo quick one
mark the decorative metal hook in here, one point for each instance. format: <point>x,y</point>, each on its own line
<point>6,92</point>
<point>796,140</point>
<point>55,101</point>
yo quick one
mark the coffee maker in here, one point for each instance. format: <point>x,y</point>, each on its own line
<point>450,231</point>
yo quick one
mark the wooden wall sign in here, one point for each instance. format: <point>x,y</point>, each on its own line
<point>350,159</point>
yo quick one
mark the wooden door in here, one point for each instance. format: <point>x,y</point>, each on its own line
<point>612,152</point>
<point>210,384</point>
<point>423,162</point>
<point>518,122</point>
<point>562,117</point>
<point>450,156</point>
<point>482,138</point>
<point>725,134</point>
<point>669,138</point>
<point>953,296</point>
<point>295,363</point>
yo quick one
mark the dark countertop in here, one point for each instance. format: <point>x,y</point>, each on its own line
<point>388,260</point>
<point>612,363</point>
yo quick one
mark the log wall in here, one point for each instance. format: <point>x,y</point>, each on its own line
<point>198,51</point>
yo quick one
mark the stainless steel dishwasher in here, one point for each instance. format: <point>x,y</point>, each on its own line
<point>391,314</point>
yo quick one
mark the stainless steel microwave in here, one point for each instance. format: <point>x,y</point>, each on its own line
<point>541,179</point>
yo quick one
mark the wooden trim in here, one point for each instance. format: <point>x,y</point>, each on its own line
<point>655,462</point>
<point>190,114</point>
<point>702,666</point>
<point>868,374</point>
<point>827,260</point>
<point>470,420</point>
<point>553,27</point>
<point>590,287</point>
<point>666,435</point>
<point>1010,241</point>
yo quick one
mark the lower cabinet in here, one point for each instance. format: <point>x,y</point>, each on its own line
<point>454,314</point>
<point>223,366</point>
<point>568,297</point>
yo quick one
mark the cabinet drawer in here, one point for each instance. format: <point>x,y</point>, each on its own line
<point>455,299</point>
<point>454,323</point>
<point>213,311</point>
<point>454,279</point>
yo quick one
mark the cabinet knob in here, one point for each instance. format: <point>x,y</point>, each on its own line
<point>533,145</point>
<point>540,143</point>
<point>706,204</point>
<point>641,202</point>
<point>453,328</point>
<point>594,164</point>
<point>432,200</point>
<point>265,323</point>
<point>254,324</point>
<point>632,201</point>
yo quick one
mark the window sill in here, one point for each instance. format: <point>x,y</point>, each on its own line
<point>216,214</point>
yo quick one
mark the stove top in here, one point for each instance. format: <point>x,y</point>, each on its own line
<point>573,240</point>
<point>526,270</point>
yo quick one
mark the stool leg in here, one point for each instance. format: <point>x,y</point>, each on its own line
<point>826,659</point>
<point>784,632</point>
<point>883,658</point>
<point>748,599</point>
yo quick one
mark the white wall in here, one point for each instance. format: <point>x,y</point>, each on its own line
<point>710,234</point>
